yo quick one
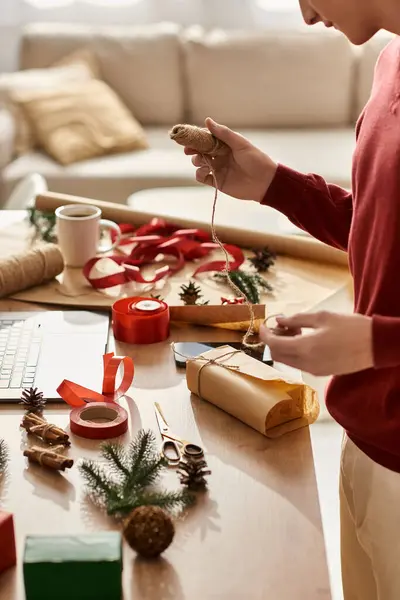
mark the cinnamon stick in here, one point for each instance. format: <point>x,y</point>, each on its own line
<point>38,426</point>
<point>49,458</point>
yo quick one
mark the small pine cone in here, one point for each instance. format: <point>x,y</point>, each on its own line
<point>149,531</point>
<point>192,473</point>
<point>33,400</point>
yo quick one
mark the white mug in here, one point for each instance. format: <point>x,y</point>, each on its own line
<point>78,229</point>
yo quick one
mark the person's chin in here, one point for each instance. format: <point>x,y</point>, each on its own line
<point>358,38</point>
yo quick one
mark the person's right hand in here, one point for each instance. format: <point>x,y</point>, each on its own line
<point>244,171</point>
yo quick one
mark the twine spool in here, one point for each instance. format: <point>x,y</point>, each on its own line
<point>25,270</point>
<point>199,139</point>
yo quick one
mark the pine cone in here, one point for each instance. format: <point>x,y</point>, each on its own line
<point>33,400</point>
<point>192,473</point>
<point>263,259</point>
<point>190,294</point>
<point>149,531</point>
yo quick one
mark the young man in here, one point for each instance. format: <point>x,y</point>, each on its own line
<point>362,350</point>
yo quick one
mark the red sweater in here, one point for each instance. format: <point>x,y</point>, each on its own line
<point>365,223</point>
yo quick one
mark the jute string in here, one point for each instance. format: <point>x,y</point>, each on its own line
<point>49,454</point>
<point>209,361</point>
<point>25,270</point>
<point>206,144</point>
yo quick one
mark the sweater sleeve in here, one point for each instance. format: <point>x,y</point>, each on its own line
<point>386,341</point>
<point>323,210</point>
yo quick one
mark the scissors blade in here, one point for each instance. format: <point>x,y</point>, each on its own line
<point>162,423</point>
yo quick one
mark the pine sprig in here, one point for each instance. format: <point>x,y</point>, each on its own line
<point>3,456</point>
<point>251,284</point>
<point>44,223</point>
<point>127,478</point>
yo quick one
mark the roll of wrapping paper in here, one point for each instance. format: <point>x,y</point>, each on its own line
<point>99,420</point>
<point>28,269</point>
<point>291,245</point>
<point>140,320</point>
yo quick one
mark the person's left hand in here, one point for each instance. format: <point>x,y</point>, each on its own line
<point>335,345</point>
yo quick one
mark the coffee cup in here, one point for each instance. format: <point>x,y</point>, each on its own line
<point>78,228</point>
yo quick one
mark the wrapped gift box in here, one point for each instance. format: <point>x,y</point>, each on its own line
<point>8,555</point>
<point>81,567</point>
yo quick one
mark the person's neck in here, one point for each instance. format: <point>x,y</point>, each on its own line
<point>389,15</point>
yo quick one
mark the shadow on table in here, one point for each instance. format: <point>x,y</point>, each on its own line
<point>50,485</point>
<point>284,465</point>
<point>154,580</point>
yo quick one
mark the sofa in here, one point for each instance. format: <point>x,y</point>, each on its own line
<point>295,94</point>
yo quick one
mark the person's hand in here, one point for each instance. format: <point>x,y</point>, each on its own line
<point>244,172</point>
<point>335,345</point>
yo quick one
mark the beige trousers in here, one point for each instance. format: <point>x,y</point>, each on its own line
<point>370,527</point>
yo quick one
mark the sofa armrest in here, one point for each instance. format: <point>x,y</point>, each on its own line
<point>7,137</point>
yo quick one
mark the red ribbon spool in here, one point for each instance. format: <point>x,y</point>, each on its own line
<point>140,320</point>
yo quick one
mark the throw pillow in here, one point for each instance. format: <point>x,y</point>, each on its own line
<point>79,69</point>
<point>82,121</point>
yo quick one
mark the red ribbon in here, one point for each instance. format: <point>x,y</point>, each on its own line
<point>160,238</point>
<point>77,395</point>
<point>232,300</point>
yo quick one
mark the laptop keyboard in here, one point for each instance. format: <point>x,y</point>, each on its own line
<point>19,353</point>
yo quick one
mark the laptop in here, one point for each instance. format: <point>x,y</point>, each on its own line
<point>41,349</point>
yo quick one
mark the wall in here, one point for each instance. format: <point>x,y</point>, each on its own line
<point>243,14</point>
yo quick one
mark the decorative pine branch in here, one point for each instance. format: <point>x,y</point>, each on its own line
<point>127,476</point>
<point>251,284</point>
<point>44,223</point>
<point>3,457</point>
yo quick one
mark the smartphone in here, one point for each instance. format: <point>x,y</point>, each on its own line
<point>196,348</point>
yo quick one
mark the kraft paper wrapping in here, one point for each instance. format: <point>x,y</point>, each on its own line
<point>285,244</point>
<point>258,395</point>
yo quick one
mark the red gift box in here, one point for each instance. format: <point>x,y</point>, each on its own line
<point>8,554</point>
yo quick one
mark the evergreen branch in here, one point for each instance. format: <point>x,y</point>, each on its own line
<point>98,482</point>
<point>116,455</point>
<point>249,284</point>
<point>166,500</point>
<point>146,473</point>
<point>3,456</point>
<point>122,484</point>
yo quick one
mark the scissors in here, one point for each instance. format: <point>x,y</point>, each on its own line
<point>173,447</point>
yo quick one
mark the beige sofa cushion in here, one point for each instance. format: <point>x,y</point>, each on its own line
<point>142,64</point>
<point>269,79</point>
<point>13,84</point>
<point>367,58</point>
<point>84,121</point>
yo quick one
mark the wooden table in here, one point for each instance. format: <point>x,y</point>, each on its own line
<point>255,535</point>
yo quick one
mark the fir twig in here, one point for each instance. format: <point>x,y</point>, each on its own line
<point>44,223</point>
<point>3,456</point>
<point>126,479</point>
<point>251,284</point>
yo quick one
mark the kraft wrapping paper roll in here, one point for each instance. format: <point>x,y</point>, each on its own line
<point>290,245</point>
<point>258,395</point>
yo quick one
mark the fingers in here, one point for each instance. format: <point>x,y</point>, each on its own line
<point>203,176</point>
<point>231,138</point>
<point>311,320</point>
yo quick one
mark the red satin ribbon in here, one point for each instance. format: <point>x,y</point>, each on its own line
<point>232,300</point>
<point>161,238</point>
<point>77,395</point>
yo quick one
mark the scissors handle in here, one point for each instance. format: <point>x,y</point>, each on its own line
<point>171,451</point>
<point>193,450</point>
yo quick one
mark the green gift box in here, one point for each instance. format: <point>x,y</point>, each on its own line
<point>80,567</point>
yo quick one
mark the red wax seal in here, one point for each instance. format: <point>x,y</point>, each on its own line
<point>140,320</point>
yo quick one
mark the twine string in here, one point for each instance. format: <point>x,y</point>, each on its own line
<point>226,269</point>
<point>208,362</point>
<point>25,270</point>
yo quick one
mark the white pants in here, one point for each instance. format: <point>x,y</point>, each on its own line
<point>370,527</point>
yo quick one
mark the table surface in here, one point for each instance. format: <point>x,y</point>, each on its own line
<point>256,534</point>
